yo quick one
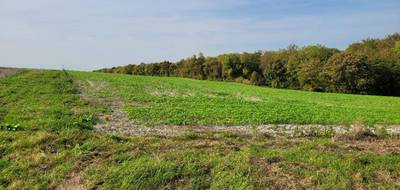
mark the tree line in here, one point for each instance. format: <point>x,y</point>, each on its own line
<point>371,66</point>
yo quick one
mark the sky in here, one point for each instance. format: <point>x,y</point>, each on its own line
<point>93,34</point>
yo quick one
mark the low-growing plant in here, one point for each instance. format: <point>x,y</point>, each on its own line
<point>85,122</point>
<point>8,127</point>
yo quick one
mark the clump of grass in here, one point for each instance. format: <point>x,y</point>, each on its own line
<point>119,138</point>
<point>142,173</point>
<point>232,172</point>
<point>381,131</point>
<point>85,122</point>
<point>190,135</point>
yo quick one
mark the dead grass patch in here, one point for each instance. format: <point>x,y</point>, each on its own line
<point>170,93</point>
<point>358,132</point>
<point>72,182</point>
<point>5,72</point>
<point>272,173</point>
<point>382,146</point>
<point>249,98</point>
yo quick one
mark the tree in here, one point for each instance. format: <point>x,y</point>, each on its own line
<point>255,78</point>
<point>212,69</point>
<point>165,68</point>
<point>249,63</point>
<point>349,73</point>
<point>384,59</point>
<point>397,47</point>
<point>312,60</point>
<point>231,66</point>
<point>198,67</point>
<point>295,58</point>
<point>192,67</point>
<point>139,69</point>
<point>386,77</point>
<point>310,75</point>
<point>318,52</point>
<point>273,65</point>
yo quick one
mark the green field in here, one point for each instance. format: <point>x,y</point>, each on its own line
<point>177,101</point>
<point>48,138</point>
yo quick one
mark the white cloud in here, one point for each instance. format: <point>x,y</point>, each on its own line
<point>93,34</point>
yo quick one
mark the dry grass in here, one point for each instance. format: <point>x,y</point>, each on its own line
<point>4,72</point>
<point>358,131</point>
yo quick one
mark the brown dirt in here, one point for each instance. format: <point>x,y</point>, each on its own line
<point>5,72</point>
<point>273,173</point>
<point>73,182</point>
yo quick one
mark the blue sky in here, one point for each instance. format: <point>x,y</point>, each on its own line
<point>91,34</point>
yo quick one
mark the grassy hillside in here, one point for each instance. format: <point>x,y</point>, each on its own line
<point>47,139</point>
<point>176,101</point>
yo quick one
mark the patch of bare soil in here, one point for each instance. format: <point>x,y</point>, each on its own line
<point>5,72</point>
<point>73,182</point>
<point>118,121</point>
<point>249,98</point>
<point>275,173</point>
<point>358,132</point>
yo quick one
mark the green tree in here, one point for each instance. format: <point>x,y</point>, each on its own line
<point>273,65</point>
<point>212,69</point>
<point>397,47</point>
<point>349,73</point>
<point>295,58</point>
<point>231,66</point>
<point>318,52</point>
<point>310,77</point>
<point>249,62</point>
<point>256,78</point>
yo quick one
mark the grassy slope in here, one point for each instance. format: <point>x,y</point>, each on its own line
<point>176,101</point>
<point>37,105</point>
<point>54,139</point>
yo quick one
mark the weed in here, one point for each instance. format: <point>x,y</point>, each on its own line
<point>8,127</point>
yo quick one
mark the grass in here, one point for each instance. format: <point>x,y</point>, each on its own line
<point>54,139</point>
<point>177,101</point>
<point>26,98</point>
